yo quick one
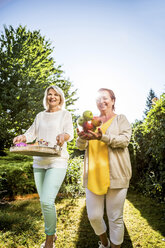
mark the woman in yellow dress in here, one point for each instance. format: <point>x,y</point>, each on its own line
<point>107,170</point>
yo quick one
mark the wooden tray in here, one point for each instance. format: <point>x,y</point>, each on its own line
<point>31,150</point>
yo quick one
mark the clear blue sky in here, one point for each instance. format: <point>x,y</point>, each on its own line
<point>118,44</point>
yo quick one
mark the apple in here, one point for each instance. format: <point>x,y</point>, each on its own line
<point>88,126</point>
<point>80,121</point>
<point>88,115</point>
<point>96,121</point>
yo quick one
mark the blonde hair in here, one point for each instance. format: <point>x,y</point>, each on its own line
<point>59,91</point>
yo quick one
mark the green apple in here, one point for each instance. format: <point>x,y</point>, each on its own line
<point>88,115</point>
<point>80,121</point>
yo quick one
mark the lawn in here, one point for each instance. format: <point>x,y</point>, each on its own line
<point>21,223</point>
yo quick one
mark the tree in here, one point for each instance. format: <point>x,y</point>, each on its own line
<point>149,102</point>
<point>149,151</point>
<point>26,69</point>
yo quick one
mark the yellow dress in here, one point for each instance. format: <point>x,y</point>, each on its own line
<point>98,171</point>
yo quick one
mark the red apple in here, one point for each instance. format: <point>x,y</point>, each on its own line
<point>88,126</point>
<point>96,121</point>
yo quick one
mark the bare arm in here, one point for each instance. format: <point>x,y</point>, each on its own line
<point>61,138</point>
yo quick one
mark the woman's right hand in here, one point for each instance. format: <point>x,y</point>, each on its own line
<point>18,139</point>
<point>82,134</point>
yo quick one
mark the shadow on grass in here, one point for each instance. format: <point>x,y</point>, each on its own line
<point>151,210</point>
<point>19,218</point>
<point>88,239</point>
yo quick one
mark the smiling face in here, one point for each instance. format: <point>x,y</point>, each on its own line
<point>53,98</point>
<point>104,101</point>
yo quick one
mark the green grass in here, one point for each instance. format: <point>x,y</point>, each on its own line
<point>21,224</point>
<point>145,221</point>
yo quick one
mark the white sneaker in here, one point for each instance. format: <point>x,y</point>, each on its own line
<point>42,245</point>
<point>102,246</point>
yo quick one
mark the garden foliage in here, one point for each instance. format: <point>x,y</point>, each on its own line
<point>147,151</point>
<point>73,184</point>
<point>16,176</point>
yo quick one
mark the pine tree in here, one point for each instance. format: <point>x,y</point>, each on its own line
<point>149,102</point>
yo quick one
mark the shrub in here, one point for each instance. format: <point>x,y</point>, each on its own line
<point>16,176</point>
<point>73,180</point>
<point>149,152</point>
<point>16,179</point>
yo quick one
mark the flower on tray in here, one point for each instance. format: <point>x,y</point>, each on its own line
<point>42,142</point>
<point>20,144</point>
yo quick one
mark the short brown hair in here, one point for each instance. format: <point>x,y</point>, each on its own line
<point>111,93</point>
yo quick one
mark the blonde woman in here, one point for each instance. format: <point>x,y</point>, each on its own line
<point>53,125</point>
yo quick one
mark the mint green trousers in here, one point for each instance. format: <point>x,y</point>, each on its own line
<point>48,183</point>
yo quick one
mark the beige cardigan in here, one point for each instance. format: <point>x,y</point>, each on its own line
<point>117,137</point>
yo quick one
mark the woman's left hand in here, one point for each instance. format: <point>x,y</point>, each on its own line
<point>90,135</point>
<point>60,139</point>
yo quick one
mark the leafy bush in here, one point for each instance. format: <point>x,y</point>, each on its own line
<point>73,180</point>
<point>16,176</point>
<point>148,155</point>
<point>16,179</point>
